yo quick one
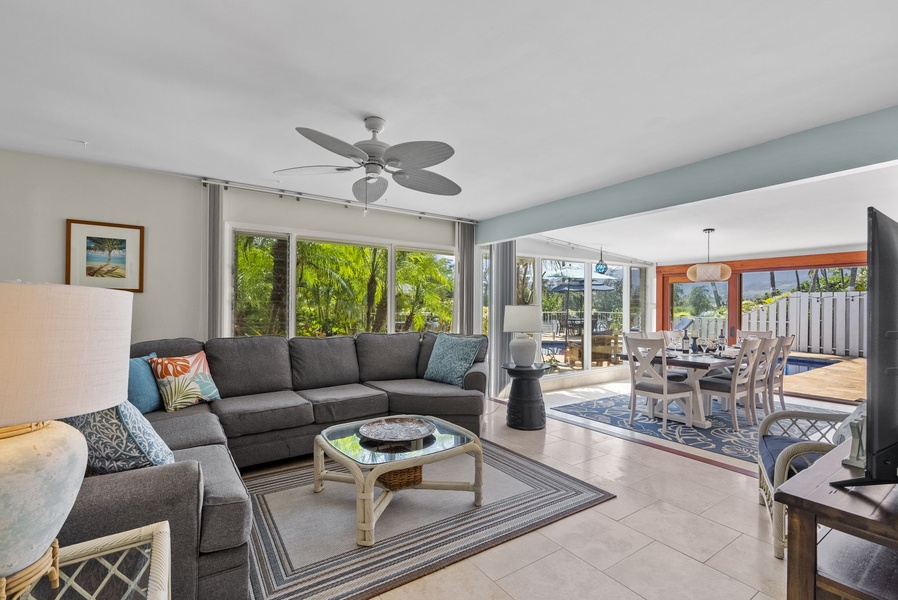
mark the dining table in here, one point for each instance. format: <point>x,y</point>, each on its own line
<point>696,367</point>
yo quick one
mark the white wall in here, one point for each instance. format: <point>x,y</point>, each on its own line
<point>38,194</point>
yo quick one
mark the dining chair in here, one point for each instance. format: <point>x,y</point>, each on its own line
<point>778,371</point>
<point>744,333</point>
<point>740,385</point>
<point>768,351</point>
<point>650,380</point>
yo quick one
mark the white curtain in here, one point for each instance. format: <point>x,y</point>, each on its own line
<point>215,263</point>
<point>502,293</point>
<point>465,270</point>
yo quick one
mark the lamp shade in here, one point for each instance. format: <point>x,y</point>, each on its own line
<point>709,272</point>
<point>64,350</point>
<point>523,318</point>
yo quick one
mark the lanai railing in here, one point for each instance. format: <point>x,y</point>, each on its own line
<point>822,322</point>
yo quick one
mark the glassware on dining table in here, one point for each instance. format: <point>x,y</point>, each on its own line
<point>703,344</point>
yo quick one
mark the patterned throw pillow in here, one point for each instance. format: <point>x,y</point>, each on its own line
<point>142,390</point>
<point>120,439</point>
<point>184,380</point>
<point>451,358</point>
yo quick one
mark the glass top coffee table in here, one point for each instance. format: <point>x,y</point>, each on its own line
<point>392,465</point>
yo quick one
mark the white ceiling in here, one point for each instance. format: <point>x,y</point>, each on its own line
<point>540,101</point>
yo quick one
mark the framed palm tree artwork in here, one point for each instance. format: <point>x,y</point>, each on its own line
<point>107,255</point>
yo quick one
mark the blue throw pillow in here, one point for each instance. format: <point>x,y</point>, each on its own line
<point>451,358</point>
<point>120,439</point>
<point>142,389</point>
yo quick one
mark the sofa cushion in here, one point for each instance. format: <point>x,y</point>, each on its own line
<point>168,347</point>
<point>226,506</point>
<point>323,362</point>
<point>249,365</point>
<point>258,413</point>
<point>162,415</point>
<point>771,446</point>
<point>184,380</point>
<point>451,358</point>
<point>142,389</point>
<point>346,402</point>
<point>429,339</point>
<point>120,439</point>
<point>198,429</point>
<point>384,356</point>
<point>423,397</point>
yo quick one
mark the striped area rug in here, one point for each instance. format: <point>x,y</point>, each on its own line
<point>303,544</point>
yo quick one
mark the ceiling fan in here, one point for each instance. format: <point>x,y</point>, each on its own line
<point>406,162</point>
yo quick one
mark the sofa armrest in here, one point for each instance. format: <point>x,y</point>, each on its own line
<point>118,502</point>
<point>475,377</point>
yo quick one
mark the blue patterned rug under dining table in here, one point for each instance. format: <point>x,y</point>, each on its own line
<point>720,438</point>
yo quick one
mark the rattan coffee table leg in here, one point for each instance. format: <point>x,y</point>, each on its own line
<point>364,503</point>
<point>478,475</point>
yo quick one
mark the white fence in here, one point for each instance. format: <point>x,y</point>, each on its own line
<point>708,327</point>
<point>822,322</point>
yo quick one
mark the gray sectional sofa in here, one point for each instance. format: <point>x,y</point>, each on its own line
<point>276,396</point>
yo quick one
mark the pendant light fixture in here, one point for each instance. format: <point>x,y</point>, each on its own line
<point>601,266</point>
<point>709,271</point>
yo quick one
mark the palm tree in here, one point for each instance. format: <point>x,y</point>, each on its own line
<point>107,245</point>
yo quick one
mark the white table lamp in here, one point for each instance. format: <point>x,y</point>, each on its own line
<point>63,352</point>
<point>521,320</point>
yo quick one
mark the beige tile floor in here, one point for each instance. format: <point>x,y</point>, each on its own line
<point>678,528</point>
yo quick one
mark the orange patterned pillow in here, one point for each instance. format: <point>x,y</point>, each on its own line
<point>184,380</point>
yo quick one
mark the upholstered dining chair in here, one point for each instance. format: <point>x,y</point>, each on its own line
<point>778,371</point>
<point>740,385</point>
<point>789,442</point>
<point>650,380</point>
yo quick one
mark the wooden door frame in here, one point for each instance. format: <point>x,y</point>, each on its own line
<point>669,274</point>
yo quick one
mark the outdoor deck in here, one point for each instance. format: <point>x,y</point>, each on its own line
<point>845,381</point>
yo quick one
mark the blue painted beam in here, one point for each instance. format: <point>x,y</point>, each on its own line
<point>858,142</point>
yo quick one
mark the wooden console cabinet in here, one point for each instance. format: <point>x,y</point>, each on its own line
<point>855,552</point>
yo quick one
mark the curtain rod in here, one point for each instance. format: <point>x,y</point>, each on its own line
<point>305,196</point>
<point>572,246</point>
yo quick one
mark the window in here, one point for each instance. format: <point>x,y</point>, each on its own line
<point>340,288</point>
<point>286,285</point>
<point>261,284</point>
<point>563,301</point>
<point>425,282</point>
<point>638,291</point>
<point>702,307</point>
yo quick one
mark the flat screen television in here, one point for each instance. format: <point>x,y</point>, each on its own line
<point>881,431</point>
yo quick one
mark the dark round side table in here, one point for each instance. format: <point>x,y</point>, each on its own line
<point>525,400</point>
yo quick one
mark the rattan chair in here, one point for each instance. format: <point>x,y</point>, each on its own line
<point>788,442</point>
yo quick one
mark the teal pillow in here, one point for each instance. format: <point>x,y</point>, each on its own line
<point>120,439</point>
<point>451,358</point>
<point>142,389</point>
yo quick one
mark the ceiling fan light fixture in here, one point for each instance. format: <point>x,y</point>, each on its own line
<point>708,271</point>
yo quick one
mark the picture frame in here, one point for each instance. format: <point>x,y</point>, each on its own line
<point>105,255</point>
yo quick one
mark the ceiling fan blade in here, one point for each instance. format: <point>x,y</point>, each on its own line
<point>373,189</point>
<point>417,155</point>
<point>315,170</point>
<point>333,144</point>
<point>426,181</point>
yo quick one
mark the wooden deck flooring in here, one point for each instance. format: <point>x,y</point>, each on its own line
<point>844,381</point>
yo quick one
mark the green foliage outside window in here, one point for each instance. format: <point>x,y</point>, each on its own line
<point>260,285</point>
